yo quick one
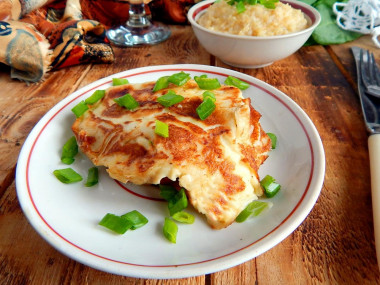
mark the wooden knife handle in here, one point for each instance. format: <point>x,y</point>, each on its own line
<point>374,159</point>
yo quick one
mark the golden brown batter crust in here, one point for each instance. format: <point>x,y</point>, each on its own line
<point>215,160</point>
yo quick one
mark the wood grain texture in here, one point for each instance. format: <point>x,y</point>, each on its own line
<point>333,245</point>
<point>182,47</point>
<point>25,258</point>
<point>312,254</point>
<point>21,107</point>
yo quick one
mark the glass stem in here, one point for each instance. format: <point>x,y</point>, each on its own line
<point>137,16</point>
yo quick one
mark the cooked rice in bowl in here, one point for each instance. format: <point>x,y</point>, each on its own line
<point>256,20</point>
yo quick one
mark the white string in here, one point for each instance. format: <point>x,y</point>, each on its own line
<point>362,16</point>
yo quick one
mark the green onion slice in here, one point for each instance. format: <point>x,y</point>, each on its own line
<point>184,217</point>
<point>209,94</point>
<point>169,99</point>
<point>69,151</point>
<point>270,186</point>
<point>178,202</point>
<point>161,83</point>
<point>95,97</point>
<point>79,109</point>
<point>119,81</point>
<point>115,223</point>
<point>233,81</point>
<point>240,4</point>
<point>207,83</point>
<point>67,175</point>
<point>136,218</point>
<point>92,177</point>
<point>127,101</point>
<point>270,4</point>
<point>240,7</point>
<point>205,109</point>
<point>161,129</point>
<point>273,139</point>
<point>253,209</point>
<point>167,192</point>
<point>170,230</point>
<point>179,79</point>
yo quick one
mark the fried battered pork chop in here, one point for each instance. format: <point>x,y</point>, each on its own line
<point>215,160</point>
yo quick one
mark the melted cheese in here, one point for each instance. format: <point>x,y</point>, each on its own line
<point>215,160</point>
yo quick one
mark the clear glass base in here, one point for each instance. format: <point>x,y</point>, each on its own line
<point>134,36</point>
<point>138,30</point>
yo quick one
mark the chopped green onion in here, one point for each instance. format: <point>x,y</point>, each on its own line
<point>79,109</point>
<point>69,151</point>
<point>240,4</point>
<point>253,209</point>
<point>178,202</point>
<point>161,129</point>
<point>240,7</point>
<point>209,94</point>
<point>119,81</point>
<point>115,223</point>
<point>184,217</point>
<point>273,139</point>
<point>92,177</point>
<point>207,83</point>
<point>270,186</point>
<point>169,99</point>
<point>136,218</point>
<point>205,109</point>
<point>230,80</point>
<point>127,101</point>
<point>177,199</point>
<point>167,192</point>
<point>270,4</point>
<point>95,97</point>
<point>170,230</point>
<point>67,175</point>
<point>179,79</point>
<point>161,83</point>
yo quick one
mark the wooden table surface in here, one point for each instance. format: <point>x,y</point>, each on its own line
<point>333,245</point>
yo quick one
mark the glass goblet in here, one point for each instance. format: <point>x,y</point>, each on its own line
<point>138,30</point>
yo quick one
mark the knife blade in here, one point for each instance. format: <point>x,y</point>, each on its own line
<point>371,110</point>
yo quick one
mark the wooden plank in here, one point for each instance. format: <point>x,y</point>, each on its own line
<point>25,257</point>
<point>28,259</point>
<point>333,245</point>
<point>182,47</point>
<point>313,254</point>
<point>344,55</point>
<point>22,106</point>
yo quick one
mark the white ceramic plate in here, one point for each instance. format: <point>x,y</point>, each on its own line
<point>66,216</point>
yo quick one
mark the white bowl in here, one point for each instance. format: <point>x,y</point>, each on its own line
<point>252,51</point>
